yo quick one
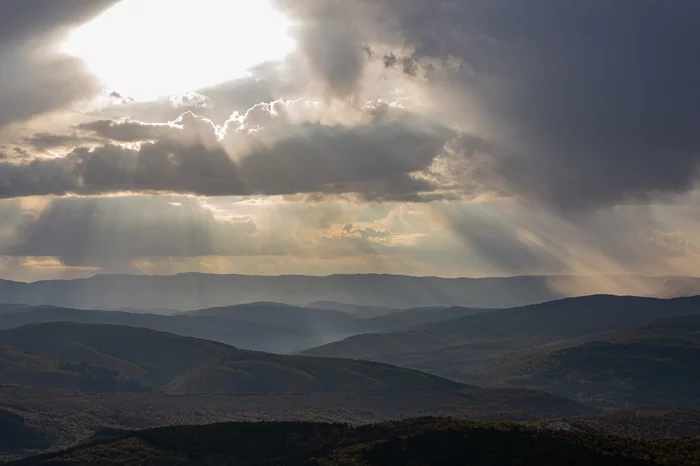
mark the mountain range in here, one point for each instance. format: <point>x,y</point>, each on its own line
<point>587,348</point>
<point>151,360</point>
<point>272,327</point>
<point>67,373</point>
<point>192,291</point>
<point>67,380</point>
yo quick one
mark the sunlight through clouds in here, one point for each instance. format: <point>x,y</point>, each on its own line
<point>154,48</point>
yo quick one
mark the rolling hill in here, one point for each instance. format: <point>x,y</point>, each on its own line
<point>408,318</point>
<point>178,364</point>
<point>357,309</point>
<point>416,442</point>
<point>191,291</point>
<point>502,330</point>
<point>245,334</point>
<point>493,348</point>
<point>656,364</point>
<point>311,320</point>
<point>271,327</point>
<point>19,367</point>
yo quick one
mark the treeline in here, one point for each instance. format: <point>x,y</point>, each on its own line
<point>425,441</point>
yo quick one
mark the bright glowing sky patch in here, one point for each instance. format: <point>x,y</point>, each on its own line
<point>150,49</point>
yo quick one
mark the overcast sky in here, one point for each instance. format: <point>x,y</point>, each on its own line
<point>423,137</point>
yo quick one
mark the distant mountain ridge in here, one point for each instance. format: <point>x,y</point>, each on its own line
<point>192,291</point>
<point>248,335</point>
<point>271,327</point>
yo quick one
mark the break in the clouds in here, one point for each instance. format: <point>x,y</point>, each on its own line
<point>528,137</point>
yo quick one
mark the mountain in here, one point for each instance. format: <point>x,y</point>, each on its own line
<point>12,308</point>
<point>405,319</point>
<point>417,442</point>
<point>489,348</point>
<point>508,329</point>
<point>656,364</point>
<point>272,327</point>
<point>333,324</point>
<point>358,310</point>
<point>178,364</point>
<point>312,320</point>
<point>22,368</point>
<point>198,291</point>
<point>244,334</point>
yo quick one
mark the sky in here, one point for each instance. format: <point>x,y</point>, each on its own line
<point>421,137</point>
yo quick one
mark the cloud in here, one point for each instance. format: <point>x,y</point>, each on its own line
<point>127,130</point>
<point>594,103</point>
<point>330,43</point>
<point>109,231</point>
<point>267,151</point>
<point>29,18</point>
<point>118,233</point>
<point>34,78</point>
<point>33,82</point>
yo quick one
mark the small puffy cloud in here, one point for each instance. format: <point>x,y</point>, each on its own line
<point>191,100</point>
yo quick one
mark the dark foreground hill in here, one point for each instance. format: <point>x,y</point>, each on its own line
<point>644,422</point>
<point>176,364</point>
<point>16,436</point>
<point>198,291</point>
<point>425,441</point>
<point>65,417</point>
<point>409,318</point>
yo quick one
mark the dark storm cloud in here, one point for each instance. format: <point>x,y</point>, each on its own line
<point>48,141</point>
<point>332,37</point>
<point>33,78</point>
<point>598,100</point>
<point>32,83</point>
<point>128,130</point>
<point>26,19</point>
<point>333,50</point>
<point>374,158</point>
